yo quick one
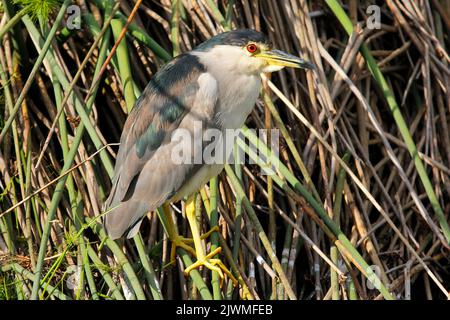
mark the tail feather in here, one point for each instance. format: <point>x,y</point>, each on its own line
<point>124,219</point>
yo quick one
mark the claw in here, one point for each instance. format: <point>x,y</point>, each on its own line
<point>213,265</point>
<point>180,242</point>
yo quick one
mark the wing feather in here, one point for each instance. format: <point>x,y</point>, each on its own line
<point>145,175</point>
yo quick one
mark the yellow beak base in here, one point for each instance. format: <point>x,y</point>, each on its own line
<point>279,58</point>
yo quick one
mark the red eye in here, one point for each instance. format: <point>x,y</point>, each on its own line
<point>252,48</point>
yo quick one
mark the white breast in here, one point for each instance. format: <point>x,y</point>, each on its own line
<point>237,98</point>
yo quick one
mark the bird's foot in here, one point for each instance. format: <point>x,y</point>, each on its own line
<point>212,264</point>
<point>184,243</point>
<point>180,242</point>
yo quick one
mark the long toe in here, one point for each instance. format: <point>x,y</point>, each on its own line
<point>181,242</point>
<point>212,264</point>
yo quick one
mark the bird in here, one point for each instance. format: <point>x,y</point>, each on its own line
<point>212,87</point>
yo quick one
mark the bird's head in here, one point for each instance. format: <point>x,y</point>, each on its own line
<point>246,51</point>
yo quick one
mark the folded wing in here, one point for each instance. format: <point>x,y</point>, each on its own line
<point>179,97</point>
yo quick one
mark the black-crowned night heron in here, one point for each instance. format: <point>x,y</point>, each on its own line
<point>214,86</point>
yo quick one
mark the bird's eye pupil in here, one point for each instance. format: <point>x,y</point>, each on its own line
<point>252,48</point>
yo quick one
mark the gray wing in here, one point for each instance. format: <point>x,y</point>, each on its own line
<point>146,172</point>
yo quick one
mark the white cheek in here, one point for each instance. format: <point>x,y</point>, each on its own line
<point>272,68</point>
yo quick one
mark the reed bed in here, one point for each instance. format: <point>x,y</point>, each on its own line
<point>357,209</point>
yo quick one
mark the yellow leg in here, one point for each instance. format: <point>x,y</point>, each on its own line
<point>176,239</point>
<point>202,259</point>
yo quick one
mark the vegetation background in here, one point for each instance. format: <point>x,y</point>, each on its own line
<point>358,208</point>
